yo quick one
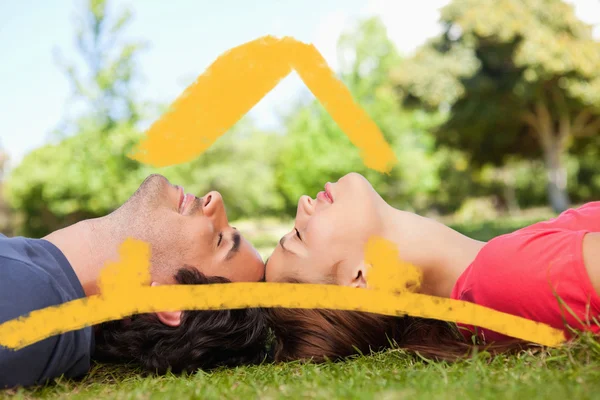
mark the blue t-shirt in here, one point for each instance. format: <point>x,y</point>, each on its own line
<point>34,274</point>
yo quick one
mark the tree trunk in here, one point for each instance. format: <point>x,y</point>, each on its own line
<point>507,200</point>
<point>557,177</point>
<point>553,143</point>
<point>510,194</point>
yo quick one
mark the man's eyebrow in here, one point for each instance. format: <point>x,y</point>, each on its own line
<point>237,239</point>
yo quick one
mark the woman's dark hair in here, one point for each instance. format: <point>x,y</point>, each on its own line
<point>203,340</point>
<point>320,334</point>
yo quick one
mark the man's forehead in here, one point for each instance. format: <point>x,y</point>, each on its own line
<point>245,253</point>
<point>251,248</point>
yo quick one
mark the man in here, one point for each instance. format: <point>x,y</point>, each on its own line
<point>191,242</point>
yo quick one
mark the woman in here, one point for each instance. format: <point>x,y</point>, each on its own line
<point>524,273</point>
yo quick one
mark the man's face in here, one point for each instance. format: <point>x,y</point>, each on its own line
<point>184,230</point>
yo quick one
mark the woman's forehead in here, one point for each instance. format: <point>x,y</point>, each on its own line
<point>287,267</point>
<point>282,266</point>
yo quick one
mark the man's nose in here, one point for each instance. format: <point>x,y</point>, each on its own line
<point>214,208</point>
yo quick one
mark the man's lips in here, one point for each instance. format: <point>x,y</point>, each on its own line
<point>185,200</point>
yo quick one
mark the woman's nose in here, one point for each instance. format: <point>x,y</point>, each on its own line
<point>305,208</point>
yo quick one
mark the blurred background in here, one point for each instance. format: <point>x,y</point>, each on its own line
<point>492,107</point>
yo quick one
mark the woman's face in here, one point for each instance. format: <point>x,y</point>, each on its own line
<point>327,242</point>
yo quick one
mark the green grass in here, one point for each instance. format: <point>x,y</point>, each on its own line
<point>486,230</point>
<point>572,372</point>
<point>569,373</point>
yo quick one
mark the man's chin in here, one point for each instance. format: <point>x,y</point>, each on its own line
<point>152,192</point>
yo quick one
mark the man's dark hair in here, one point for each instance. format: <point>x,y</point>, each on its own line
<point>205,339</point>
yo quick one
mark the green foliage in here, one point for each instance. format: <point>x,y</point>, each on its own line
<point>86,173</point>
<point>315,150</point>
<point>486,229</point>
<point>83,176</point>
<point>106,88</point>
<point>481,88</point>
<point>519,78</point>
<point>240,165</point>
<point>6,217</point>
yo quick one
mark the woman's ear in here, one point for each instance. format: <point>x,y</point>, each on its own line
<point>359,275</point>
<point>169,318</point>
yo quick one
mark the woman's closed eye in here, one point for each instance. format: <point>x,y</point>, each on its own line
<point>298,234</point>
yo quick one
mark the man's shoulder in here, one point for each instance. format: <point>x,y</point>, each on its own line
<point>25,288</point>
<point>37,273</point>
<point>25,283</point>
<point>33,277</point>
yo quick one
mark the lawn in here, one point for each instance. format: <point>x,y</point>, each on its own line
<point>570,373</point>
<point>567,373</point>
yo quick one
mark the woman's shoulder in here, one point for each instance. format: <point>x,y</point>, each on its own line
<point>585,217</point>
<point>526,273</point>
<point>515,264</point>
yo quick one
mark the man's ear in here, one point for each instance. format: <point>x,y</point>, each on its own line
<point>169,318</point>
<point>359,275</point>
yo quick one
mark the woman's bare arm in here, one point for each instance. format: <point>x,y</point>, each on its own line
<point>591,258</point>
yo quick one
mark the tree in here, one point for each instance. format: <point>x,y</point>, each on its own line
<point>5,212</point>
<point>315,150</point>
<point>86,174</point>
<point>519,77</point>
<point>240,165</point>
<point>106,88</point>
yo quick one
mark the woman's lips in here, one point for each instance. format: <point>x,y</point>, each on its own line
<point>328,191</point>
<point>326,195</point>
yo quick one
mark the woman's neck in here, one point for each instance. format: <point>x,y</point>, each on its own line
<point>441,253</point>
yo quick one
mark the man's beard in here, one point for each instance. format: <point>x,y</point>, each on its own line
<point>144,217</point>
<point>151,193</point>
<point>136,218</point>
<point>146,198</point>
